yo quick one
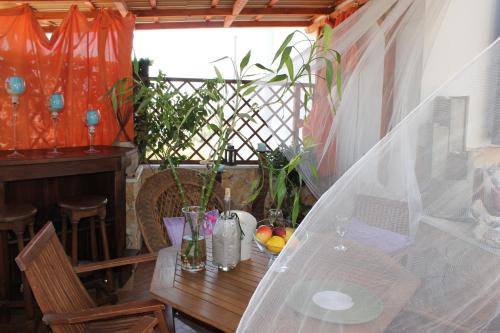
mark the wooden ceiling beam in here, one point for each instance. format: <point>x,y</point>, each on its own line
<point>236,24</point>
<point>212,5</point>
<point>237,8</point>
<point>205,12</point>
<point>269,5</point>
<point>340,6</point>
<point>121,6</point>
<point>272,11</point>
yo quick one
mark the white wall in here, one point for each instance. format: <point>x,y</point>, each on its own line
<point>467,29</point>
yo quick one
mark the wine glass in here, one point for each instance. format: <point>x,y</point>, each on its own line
<point>15,87</point>
<point>341,223</point>
<point>56,104</point>
<point>92,119</point>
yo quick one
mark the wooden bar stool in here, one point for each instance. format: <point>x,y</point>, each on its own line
<point>77,208</point>
<point>16,218</point>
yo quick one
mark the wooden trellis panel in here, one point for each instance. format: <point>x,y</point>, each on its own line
<point>272,123</point>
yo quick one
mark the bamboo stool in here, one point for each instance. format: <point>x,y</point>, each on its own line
<point>16,218</point>
<point>77,208</point>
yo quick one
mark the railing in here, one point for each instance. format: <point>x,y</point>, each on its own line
<point>272,123</point>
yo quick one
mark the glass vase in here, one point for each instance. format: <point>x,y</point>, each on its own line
<point>276,218</point>
<point>193,247</point>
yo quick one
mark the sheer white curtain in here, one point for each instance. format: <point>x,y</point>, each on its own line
<point>382,46</point>
<point>422,232</point>
<point>415,196</point>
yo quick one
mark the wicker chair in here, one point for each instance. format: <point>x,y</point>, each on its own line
<point>159,197</point>
<point>383,213</point>
<point>64,302</point>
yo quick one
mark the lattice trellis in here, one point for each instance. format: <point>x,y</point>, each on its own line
<point>273,123</point>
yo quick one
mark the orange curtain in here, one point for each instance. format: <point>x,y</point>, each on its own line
<point>81,60</point>
<point>318,124</point>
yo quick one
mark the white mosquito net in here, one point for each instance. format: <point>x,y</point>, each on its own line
<point>408,238</point>
<point>383,60</point>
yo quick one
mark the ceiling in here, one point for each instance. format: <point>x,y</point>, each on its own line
<point>178,14</point>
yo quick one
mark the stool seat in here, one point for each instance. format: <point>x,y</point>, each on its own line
<point>12,213</point>
<point>83,202</point>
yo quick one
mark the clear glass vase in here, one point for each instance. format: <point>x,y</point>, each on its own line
<point>275,216</point>
<point>193,247</point>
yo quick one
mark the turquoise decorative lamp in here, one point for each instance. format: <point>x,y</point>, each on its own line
<point>56,104</point>
<point>15,87</point>
<point>92,119</point>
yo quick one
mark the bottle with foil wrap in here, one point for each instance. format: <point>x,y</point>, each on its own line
<point>226,238</point>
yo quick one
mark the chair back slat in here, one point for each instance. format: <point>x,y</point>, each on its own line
<point>159,197</point>
<point>56,287</point>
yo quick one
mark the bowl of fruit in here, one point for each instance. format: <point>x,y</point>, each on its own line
<point>272,235</point>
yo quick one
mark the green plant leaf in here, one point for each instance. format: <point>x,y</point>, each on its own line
<point>296,207</point>
<point>293,163</point>
<point>245,115</point>
<point>329,75</point>
<point>327,36</point>
<point>289,67</point>
<point>255,191</point>
<point>339,80</point>
<point>280,188</point>
<point>214,127</point>
<point>314,171</point>
<point>219,74</point>
<point>283,46</point>
<point>284,57</point>
<point>249,90</point>
<point>245,60</point>
<point>264,68</point>
<point>220,59</point>
<point>277,78</point>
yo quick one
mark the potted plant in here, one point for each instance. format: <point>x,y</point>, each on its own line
<point>175,135</point>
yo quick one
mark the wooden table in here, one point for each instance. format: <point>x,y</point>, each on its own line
<point>216,298</point>
<point>41,180</point>
<point>219,299</point>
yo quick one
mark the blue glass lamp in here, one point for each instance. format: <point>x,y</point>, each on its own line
<point>92,119</point>
<point>56,104</point>
<point>15,87</point>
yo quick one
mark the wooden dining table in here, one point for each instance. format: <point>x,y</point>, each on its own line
<point>220,298</point>
<point>213,297</point>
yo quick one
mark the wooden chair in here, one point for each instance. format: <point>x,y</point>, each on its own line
<point>65,304</point>
<point>145,324</point>
<point>159,197</point>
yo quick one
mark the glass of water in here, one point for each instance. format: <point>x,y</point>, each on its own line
<point>341,223</point>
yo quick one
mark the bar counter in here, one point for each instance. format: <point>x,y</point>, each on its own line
<point>42,179</point>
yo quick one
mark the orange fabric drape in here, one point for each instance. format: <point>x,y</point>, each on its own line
<point>81,60</point>
<point>318,124</point>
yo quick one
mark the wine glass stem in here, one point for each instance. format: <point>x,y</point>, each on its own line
<point>91,141</point>
<point>14,123</point>
<point>54,127</point>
